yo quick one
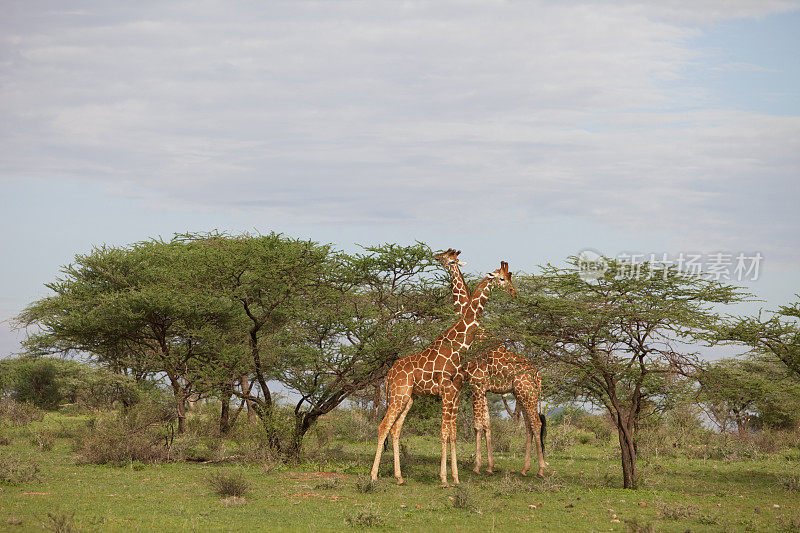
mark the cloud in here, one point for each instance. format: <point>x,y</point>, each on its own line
<point>382,112</point>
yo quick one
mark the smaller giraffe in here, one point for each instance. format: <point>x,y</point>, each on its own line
<point>502,371</point>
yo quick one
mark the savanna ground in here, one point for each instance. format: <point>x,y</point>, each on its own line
<point>730,485</point>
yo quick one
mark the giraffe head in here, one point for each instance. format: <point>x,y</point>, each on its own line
<point>449,258</point>
<point>502,277</point>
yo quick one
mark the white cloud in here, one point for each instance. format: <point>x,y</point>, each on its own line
<point>382,111</point>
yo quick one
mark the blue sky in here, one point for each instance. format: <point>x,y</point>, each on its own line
<point>517,131</point>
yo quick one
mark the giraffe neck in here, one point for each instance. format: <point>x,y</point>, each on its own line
<point>462,333</point>
<point>460,295</point>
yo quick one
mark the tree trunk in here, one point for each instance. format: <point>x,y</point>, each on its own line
<point>302,423</point>
<point>628,449</point>
<point>376,403</point>
<point>252,415</point>
<point>180,409</point>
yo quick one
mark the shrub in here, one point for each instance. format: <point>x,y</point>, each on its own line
<point>678,511</point>
<point>635,526</point>
<point>366,484</point>
<point>462,498</point>
<point>143,433</point>
<point>5,440</point>
<point>16,413</point>
<point>14,470</point>
<point>502,432</point>
<point>59,522</point>
<point>329,483</point>
<point>790,484</point>
<point>368,517</point>
<point>44,440</point>
<point>227,484</point>
<point>599,425</point>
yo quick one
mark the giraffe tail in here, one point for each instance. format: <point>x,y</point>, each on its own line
<point>543,429</point>
<point>542,417</point>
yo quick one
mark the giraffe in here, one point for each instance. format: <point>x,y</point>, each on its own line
<point>436,371</point>
<point>501,371</point>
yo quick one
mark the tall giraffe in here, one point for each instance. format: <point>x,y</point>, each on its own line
<point>436,371</point>
<point>500,371</point>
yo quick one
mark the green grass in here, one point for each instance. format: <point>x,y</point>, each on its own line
<point>580,493</point>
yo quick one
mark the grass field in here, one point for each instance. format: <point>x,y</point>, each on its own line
<point>328,492</point>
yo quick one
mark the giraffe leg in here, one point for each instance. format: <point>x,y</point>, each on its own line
<point>448,434</point>
<point>453,436</point>
<point>528,438</point>
<point>488,430</point>
<point>392,412</point>
<point>478,437</point>
<point>478,400</point>
<point>398,425</point>
<point>445,435</point>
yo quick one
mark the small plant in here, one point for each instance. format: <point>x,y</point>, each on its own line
<point>634,526</point>
<point>678,511</point>
<point>4,440</point>
<point>789,523</point>
<point>463,499</point>
<point>548,484</point>
<point>366,484</point>
<point>59,522</point>
<point>44,440</point>
<point>13,470</point>
<point>232,483</point>
<point>329,483</point>
<point>790,484</point>
<point>508,484</point>
<point>233,501</point>
<point>369,517</point>
<point>19,413</point>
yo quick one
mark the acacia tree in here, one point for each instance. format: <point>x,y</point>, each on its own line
<point>127,308</point>
<point>620,339</point>
<point>378,307</point>
<point>736,392</point>
<point>271,280</point>
<point>776,337</point>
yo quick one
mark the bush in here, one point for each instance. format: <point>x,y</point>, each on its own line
<point>59,522</point>
<point>463,498</point>
<point>790,484</point>
<point>228,484</point>
<point>424,418</point>
<point>44,440</point>
<point>600,426</point>
<point>16,413</point>
<point>49,381</point>
<point>14,470</point>
<point>35,382</point>
<point>502,432</point>
<point>366,484</point>
<point>368,517</point>
<point>143,433</point>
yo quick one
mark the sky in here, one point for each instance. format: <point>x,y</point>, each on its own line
<point>517,131</point>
